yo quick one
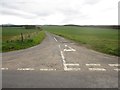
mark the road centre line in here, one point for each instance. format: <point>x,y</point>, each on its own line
<point>55,39</point>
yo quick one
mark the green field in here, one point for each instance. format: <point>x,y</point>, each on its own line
<point>100,39</point>
<point>13,40</point>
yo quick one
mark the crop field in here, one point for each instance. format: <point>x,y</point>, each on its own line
<point>15,38</point>
<point>9,32</point>
<point>97,38</point>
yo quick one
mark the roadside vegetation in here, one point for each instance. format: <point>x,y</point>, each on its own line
<point>15,38</point>
<point>97,38</point>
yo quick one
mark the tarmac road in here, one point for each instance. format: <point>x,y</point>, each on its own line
<point>59,63</point>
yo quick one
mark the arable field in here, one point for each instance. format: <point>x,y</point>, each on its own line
<point>97,38</point>
<point>15,38</point>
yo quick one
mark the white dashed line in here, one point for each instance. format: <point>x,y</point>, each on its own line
<point>72,69</point>
<point>25,69</point>
<point>117,69</point>
<point>68,50</point>
<point>47,69</point>
<point>31,69</point>
<point>114,65</point>
<point>55,39</point>
<point>70,64</point>
<point>97,69</point>
<point>93,64</point>
<point>4,68</point>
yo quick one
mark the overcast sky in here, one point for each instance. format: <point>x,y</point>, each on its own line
<point>80,12</point>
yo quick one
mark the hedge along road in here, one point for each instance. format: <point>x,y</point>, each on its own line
<point>57,63</point>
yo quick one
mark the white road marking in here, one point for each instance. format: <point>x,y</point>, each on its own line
<point>72,69</point>
<point>25,69</point>
<point>59,46</point>
<point>65,45</point>
<point>31,69</point>
<point>93,64</point>
<point>55,39</point>
<point>97,69</point>
<point>47,69</point>
<point>63,58</point>
<point>70,64</point>
<point>4,68</point>
<point>117,69</point>
<point>114,65</point>
<point>70,49</point>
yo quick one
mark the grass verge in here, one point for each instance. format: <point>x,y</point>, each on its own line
<point>18,44</point>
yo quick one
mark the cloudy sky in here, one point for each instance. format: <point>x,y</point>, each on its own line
<point>80,12</point>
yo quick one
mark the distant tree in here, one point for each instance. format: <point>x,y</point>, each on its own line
<point>38,27</point>
<point>29,26</point>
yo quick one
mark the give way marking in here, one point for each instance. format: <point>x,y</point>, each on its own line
<point>70,49</point>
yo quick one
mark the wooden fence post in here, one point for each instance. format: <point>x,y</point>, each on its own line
<point>22,37</point>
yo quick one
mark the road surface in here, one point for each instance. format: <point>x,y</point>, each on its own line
<point>59,63</point>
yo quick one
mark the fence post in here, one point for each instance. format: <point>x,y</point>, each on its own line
<point>21,37</point>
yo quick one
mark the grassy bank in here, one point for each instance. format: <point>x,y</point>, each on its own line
<point>100,39</point>
<point>13,40</point>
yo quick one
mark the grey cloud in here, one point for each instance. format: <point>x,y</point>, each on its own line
<point>14,12</point>
<point>69,10</point>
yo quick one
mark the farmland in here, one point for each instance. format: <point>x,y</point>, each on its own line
<point>15,38</point>
<point>97,38</point>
